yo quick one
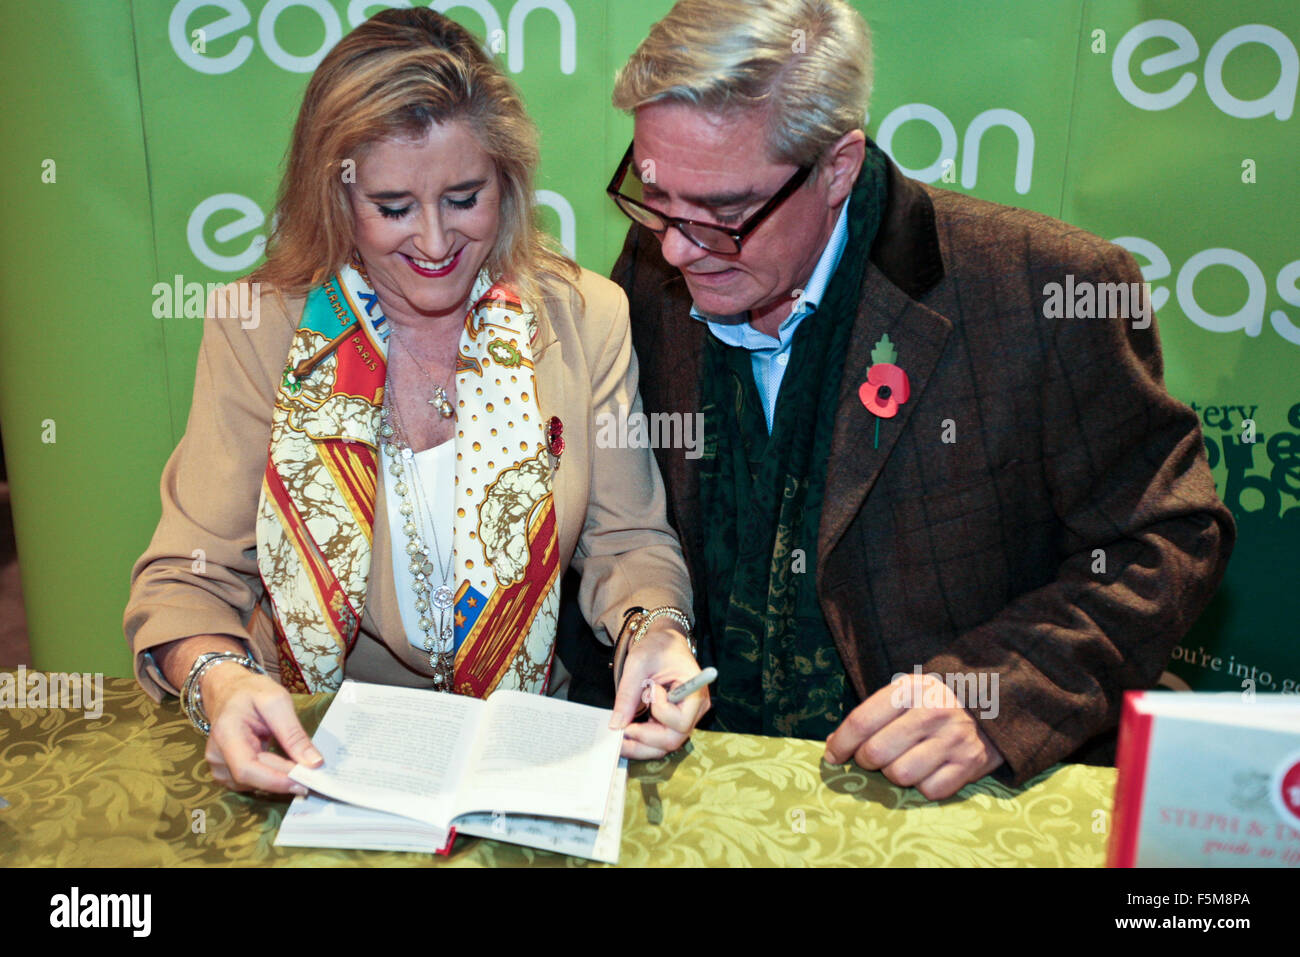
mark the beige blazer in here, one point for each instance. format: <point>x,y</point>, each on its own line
<point>199,573</point>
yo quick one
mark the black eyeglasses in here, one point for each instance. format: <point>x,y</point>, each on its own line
<point>709,236</point>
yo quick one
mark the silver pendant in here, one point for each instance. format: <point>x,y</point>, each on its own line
<point>443,597</point>
<point>439,402</point>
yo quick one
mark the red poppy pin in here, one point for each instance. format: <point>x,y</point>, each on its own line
<point>555,438</point>
<point>886,387</point>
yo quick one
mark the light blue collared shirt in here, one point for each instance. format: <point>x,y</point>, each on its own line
<point>769,357</point>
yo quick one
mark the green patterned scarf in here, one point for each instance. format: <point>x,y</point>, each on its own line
<point>779,672</point>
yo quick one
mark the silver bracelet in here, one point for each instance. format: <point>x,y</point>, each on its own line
<point>635,623</point>
<point>676,614</point>
<point>191,696</point>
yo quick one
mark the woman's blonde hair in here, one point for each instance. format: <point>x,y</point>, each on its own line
<point>807,62</point>
<point>392,77</point>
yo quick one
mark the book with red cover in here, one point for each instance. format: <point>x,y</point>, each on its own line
<point>1207,780</point>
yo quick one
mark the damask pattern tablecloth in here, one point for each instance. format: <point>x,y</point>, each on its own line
<point>131,788</point>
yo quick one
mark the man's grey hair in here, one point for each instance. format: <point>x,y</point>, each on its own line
<point>808,62</point>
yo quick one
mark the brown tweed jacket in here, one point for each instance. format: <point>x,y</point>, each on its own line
<point>1067,533</point>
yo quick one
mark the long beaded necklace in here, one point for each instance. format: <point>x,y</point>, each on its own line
<point>415,511</point>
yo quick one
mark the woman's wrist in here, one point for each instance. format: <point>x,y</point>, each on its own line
<point>661,626</point>
<point>192,697</point>
<point>176,658</point>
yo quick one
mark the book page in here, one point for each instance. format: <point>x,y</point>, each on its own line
<point>1280,712</point>
<point>560,835</point>
<point>316,821</point>
<point>539,755</point>
<point>400,750</point>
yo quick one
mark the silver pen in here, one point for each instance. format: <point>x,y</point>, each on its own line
<point>705,677</point>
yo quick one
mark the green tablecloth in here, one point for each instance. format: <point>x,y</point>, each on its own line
<point>123,790</point>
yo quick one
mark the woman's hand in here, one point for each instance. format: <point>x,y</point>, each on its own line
<point>663,659</point>
<point>249,712</point>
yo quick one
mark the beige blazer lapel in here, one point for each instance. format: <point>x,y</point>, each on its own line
<point>556,396</point>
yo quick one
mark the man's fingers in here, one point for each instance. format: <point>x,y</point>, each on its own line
<point>862,722</point>
<point>891,743</point>
<point>944,782</point>
<point>917,762</point>
<point>277,711</point>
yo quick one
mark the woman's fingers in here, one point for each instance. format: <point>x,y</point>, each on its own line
<point>277,711</point>
<point>683,716</point>
<point>241,758</point>
<point>254,710</point>
<point>636,751</point>
<point>668,729</point>
<point>627,697</point>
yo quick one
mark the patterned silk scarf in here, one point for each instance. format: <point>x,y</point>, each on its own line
<point>316,512</point>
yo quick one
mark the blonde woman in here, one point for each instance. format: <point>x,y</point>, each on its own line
<point>388,474</point>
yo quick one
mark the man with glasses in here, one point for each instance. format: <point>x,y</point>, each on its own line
<point>929,524</point>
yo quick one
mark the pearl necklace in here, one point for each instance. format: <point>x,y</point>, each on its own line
<point>442,655</point>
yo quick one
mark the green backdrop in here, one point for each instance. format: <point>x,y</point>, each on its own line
<point>132,159</point>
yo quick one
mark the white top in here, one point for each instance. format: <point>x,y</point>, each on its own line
<point>435,469</point>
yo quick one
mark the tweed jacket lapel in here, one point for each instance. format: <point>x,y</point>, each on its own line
<point>918,334</point>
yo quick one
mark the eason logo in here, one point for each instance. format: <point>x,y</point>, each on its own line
<point>248,217</point>
<point>213,217</point>
<point>76,909</point>
<point>944,168</point>
<point>1250,317</point>
<point>191,35</point>
<point>1177,87</point>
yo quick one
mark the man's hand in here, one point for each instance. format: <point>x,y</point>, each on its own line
<point>663,658</point>
<point>919,742</point>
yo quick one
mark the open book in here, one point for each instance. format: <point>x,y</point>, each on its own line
<point>412,768</point>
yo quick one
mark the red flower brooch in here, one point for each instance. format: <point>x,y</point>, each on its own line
<point>555,438</point>
<point>886,387</point>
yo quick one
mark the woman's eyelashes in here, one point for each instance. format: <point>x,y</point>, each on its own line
<point>388,212</point>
